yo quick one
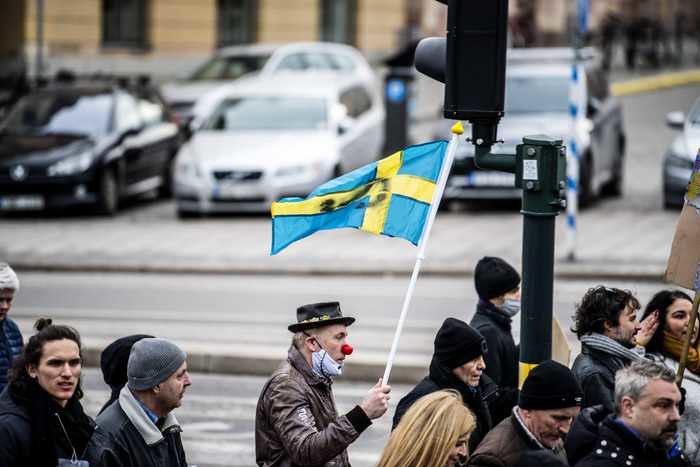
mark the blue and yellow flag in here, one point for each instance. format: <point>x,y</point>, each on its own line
<point>390,197</point>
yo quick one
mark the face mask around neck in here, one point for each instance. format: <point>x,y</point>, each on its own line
<point>511,307</point>
<point>324,365</point>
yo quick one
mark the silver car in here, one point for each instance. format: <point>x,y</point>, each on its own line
<point>680,156</point>
<point>537,102</point>
<point>260,139</point>
<point>231,63</point>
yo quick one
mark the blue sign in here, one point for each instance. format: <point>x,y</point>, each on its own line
<point>582,16</point>
<point>395,90</point>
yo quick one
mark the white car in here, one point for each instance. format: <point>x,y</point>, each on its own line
<point>231,63</point>
<point>261,139</point>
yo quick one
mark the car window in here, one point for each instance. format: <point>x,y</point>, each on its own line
<point>356,100</point>
<point>127,115</point>
<point>62,112</point>
<point>597,84</point>
<point>694,114</point>
<point>319,61</point>
<point>293,62</point>
<point>342,62</point>
<point>255,113</point>
<point>229,67</point>
<point>151,113</point>
<point>536,94</point>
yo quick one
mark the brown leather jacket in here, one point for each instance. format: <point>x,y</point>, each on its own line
<point>296,422</point>
<point>505,444</point>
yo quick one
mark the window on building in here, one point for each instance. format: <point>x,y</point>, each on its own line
<point>236,21</point>
<point>124,23</point>
<point>338,20</point>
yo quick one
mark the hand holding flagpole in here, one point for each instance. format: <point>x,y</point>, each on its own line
<point>457,130</point>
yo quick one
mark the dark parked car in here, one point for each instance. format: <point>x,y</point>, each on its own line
<point>90,144</point>
<point>680,156</point>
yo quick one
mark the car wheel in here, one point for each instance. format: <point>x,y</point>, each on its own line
<point>108,200</point>
<point>614,187</point>
<point>586,196</point>
<point>182,214</point>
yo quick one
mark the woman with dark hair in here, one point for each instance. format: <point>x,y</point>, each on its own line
<point>666,345</point>
<point>42,423</point>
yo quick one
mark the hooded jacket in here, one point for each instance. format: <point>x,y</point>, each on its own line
<point>475,399</point>
<point>133,440</point>
<point>502,358</point>
<point>10,348</point>
<point>296,420</point>
<point>597,440</point>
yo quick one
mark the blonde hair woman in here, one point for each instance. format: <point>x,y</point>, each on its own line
<point>434,432</point>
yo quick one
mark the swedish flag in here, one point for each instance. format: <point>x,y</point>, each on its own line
<point>390,197</point>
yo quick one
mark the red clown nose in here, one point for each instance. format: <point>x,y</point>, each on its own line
<point>346,349</point>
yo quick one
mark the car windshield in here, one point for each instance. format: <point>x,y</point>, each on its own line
<point>229,67</point>
<point>694,116</point>
<point>536,94</point>
<point>60,113</point>
<point>269,113</point>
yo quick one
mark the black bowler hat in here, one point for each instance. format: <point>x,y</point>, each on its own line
<point>316,315</point>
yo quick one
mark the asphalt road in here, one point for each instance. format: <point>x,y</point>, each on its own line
<point>251,312</point>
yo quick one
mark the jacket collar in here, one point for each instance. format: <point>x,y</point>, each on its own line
<point>624,437</point>
<point>490,311</point>
<point>146,428</point>
<point>297,360</point>
<point>520,426</point>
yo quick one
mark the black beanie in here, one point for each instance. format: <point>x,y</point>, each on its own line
<point>494,277</point>
<point>115,357</point>
<point>550,385</point>
<point>457,343</point>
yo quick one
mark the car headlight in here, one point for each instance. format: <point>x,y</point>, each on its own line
<point>186,166</point>
<point>71,165</point>
<point>677,155</point>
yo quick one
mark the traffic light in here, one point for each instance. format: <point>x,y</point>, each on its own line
<point>471,61</point>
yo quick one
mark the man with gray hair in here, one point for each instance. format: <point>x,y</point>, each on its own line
<point>140,428</point>
<point>643,429</point>
<point>10,336</point>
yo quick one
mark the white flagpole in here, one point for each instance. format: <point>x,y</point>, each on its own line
<point>457,130</point>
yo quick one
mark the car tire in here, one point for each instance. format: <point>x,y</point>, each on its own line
<point>108,195</point>
<point>586,196</point>
<point>614,187</point>
<point>182,214</point>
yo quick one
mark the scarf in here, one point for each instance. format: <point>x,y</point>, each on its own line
<point>610,346</point>
<point>49,441</point>
<point>674,347</point>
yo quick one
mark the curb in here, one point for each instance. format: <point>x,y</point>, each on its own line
<point>205,362</point>
<point>655,83</point>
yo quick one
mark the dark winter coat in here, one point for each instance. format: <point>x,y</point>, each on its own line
<point>502,356</point>
<point>595,372</point>
<point>296,420</point>
<point>609,444</point>
<point>505,445</point>
<point>10,348</point>
<point>474,398</point>
<point>133,440</point>
<point>18,429</point>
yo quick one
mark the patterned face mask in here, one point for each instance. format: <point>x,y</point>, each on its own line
<point>324,365</point>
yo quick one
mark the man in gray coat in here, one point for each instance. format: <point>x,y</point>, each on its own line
<point>140,427</point>
<point>296,422</point>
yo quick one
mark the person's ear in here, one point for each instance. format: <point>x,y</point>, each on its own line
<point>626,406</point>
<point>32,371</point>
<point>156,389</point>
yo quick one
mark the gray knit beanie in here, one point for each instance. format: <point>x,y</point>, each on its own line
<point>151,362</point>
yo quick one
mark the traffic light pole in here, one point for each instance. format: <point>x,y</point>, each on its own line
<point>539,166</point>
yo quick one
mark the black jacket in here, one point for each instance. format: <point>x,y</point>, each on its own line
<point>10,348</point>
<point>502,356</point>
<point>595,372</point>
<point>132,440</point>
<point>609,444</point>
<point>476,400</point>
<point>16,435</point>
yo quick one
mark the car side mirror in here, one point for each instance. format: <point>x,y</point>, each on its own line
<point>345,125</point>
<point>675,120</point>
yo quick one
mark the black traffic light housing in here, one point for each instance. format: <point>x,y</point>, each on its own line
<point>471,62</point>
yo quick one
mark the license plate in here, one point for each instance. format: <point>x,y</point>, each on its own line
<point>21,203</point>
<point>491,179</point>
<point>232,191</point>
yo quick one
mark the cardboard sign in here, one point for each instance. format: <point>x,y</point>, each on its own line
<point>683,267</point>
<point>560,347</point>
